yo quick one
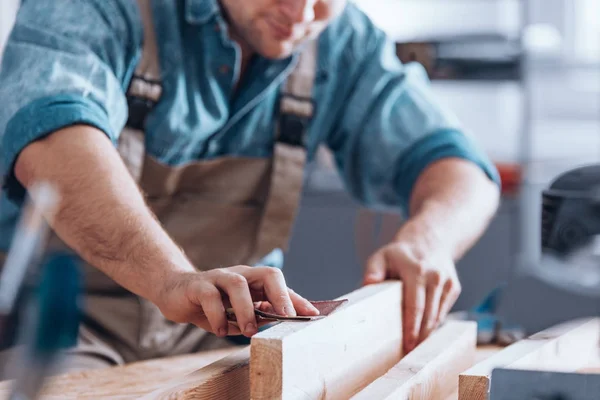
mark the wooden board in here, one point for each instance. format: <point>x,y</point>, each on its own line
<point>430,371</point>
<point>227,378</point>
<point>345,351</point>
<point>123,382</point>
<point>136,380</point>
<point>482,353</point>
<point>332,358</point>
<point>564,348</point>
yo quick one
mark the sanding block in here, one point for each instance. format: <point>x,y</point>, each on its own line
<point>325,308</point>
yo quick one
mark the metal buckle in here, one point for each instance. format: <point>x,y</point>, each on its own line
<point>292,129</point>
<point>142,96</point>
<point>296,114</point>
<point>139,109</point>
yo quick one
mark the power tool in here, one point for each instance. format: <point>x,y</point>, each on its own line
<point>570,232</point>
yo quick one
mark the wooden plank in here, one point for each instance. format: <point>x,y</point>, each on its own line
<point>430,371</point>
<point>565,348</point>
<point>227,378</point>
<point>124,382</point>
<point>372,315</point>
<point>332,358</point>
<point>483,353</point>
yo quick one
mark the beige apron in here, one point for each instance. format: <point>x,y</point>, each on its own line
<point>221,212</point>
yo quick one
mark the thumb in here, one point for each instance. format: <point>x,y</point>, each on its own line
<point>376,268</point>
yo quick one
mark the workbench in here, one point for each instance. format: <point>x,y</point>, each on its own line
<point>137,379</point>
<point>353,352</point>
<point>446,366</point>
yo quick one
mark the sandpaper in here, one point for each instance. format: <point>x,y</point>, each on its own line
<point>325,308</point>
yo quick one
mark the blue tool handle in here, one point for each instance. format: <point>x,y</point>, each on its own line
<point>51,323</point>
<point>59,311</point>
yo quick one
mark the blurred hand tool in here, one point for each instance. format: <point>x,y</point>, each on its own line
<point>50,325</point>
<point>27,246</point>
<point>491,329</point>
<point>41,302</point>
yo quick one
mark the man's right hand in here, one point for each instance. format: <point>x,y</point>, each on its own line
<point>201,298</point>
<point>103,216</point>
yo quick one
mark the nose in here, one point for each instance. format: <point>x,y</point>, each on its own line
<point>299,11</point>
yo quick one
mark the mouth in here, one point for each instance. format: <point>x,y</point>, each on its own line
<point>280,31</point>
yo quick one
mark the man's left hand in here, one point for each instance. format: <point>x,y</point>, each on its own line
<point>430,283</point>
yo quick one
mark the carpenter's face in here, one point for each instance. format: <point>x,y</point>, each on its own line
<point>274,28</point>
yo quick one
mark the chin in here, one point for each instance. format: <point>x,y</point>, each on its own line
<point>276,50</point>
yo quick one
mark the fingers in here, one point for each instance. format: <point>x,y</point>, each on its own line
<point>450,293</point>
<point>235,286</point>
<point>302,306</point>
<point>209,298</point>
<point>264,306</point>
<point>275,289</point>
<point>376,269</point>
<point>432,305</point>
<point>413,308</point>
<point>430,286</point>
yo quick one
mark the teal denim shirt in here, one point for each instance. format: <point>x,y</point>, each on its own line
<point>70,61</point>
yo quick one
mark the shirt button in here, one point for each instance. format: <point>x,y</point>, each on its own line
<point>213,147</point>
<point>224,69</point>
<point>217,28</point>
<point>271,71</point>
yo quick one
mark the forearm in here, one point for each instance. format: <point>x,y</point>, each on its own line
<point>102,214</point>
<point>451,205</point>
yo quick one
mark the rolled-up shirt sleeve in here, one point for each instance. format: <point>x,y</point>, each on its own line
<point>65,64</point>
<point>392,127</point>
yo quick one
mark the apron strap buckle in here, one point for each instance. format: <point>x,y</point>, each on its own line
<point>294,120</point>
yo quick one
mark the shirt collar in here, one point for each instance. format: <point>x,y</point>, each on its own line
<point>200,11</point>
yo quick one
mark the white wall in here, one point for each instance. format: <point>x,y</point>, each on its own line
<point>8,9</point>
<point>587,31</point>
<point>408,19</point>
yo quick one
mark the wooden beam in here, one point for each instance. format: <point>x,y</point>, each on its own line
<point>564,348</point>
<point>371,314</point>
<point>128,381</point>
<point>430,371</point>
<point>345,351</point>
<point>331,358</point>
<point>227,378</point>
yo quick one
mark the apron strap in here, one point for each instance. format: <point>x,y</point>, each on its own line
<point>296,105</point>
<point>289,156</point>
<point>144,92</point>
<point>145,88</point>
<point>149,66</point>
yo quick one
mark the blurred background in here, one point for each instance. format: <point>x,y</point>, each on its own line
<point>524,78</point>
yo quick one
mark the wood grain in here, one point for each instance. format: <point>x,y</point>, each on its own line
<point>482,353</point>
<point>564,348</point>
<point>124,382</point>
<point>227,378</point>
<point>430,371</point>
<point>332,358</point>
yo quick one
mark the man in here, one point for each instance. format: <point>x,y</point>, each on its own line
<point>231,96</point>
